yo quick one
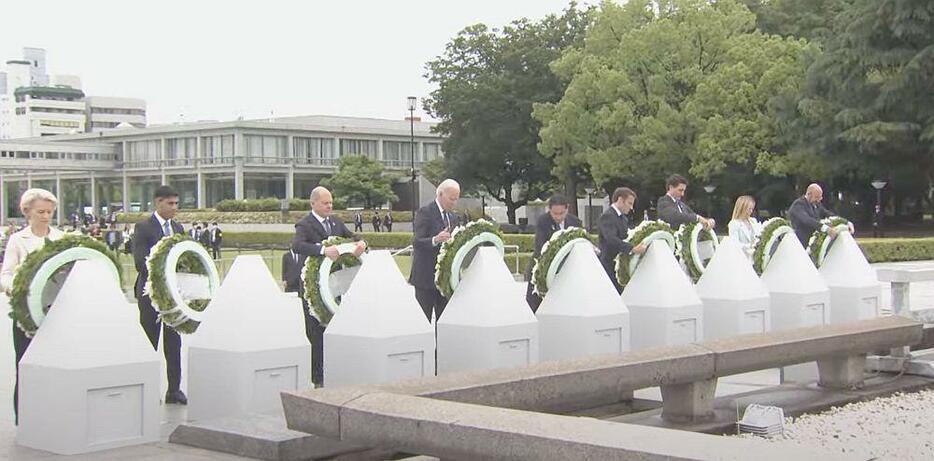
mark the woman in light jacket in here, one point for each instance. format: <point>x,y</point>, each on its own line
<point>38,206</point>
<point>744,229</point>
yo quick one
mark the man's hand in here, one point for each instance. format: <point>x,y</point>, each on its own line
<point>442,237</point>
<point>639,249</point>
<point>331,252</point>
<point>852,229</point>
<point>833,232</point>
<point>361,247</point>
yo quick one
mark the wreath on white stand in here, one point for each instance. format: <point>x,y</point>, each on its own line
<point>182,280</point>
<point>554,252</point>
<point>688,241</point>
<point>767,242</point>
<point>38,279</point>
<point>820,241</point>
<point>645,233</point>
<point>452,257</point>
<point>316,275</point>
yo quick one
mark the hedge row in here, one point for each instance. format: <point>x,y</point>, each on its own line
<point>260,217</point>
<point>897,249</point>
<point>525,242</point>
<point>261,204</point>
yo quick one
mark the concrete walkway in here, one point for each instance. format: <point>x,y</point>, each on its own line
<point>922,296</point>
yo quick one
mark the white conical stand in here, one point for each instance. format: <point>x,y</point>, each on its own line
<point>854,289</point>
<point>664,308</point>
<point>799,298</point>
<point>250,346</point>
<point>735,300</point>
<point>487,323</point>
<point>582,314</point>
<point>90,379</point>
<point>380,333</point>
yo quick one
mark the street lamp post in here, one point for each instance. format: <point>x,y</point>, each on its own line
<point>590,191</point>
<point>482,205</point>
<point>709,189</point>
<point>412,101</point>
<point>878,185</point>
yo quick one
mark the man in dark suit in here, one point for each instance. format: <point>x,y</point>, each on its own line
<point>547,224</point>
<point>146,234</point>
<point>358,222</point>
<point>387,221</point>
<point>614,229</point>
<point>377,221</point>
<point>292,263</point>
<point>806,212</point>
<point>215,238</point>
<point>673,210</point>
<point>433,225</point>
<point>309,233</point>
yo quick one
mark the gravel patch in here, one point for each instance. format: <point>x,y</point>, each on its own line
<point>897,427</point>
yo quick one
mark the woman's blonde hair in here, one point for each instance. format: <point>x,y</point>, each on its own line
<point>743,207</point>
<point>31,195</point>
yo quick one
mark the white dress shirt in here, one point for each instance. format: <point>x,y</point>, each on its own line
<point>21,244</point>
<point>745,232</point>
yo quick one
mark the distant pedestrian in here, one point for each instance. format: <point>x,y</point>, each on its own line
<point>376,221</point>
<point>387,221</point>
<point>358,222</point>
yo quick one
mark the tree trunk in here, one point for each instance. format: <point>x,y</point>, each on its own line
<point>570,190</point>
<point>510,204</point>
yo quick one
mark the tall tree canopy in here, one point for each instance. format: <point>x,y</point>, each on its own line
<point>487,82</point>
<point>360,180</point>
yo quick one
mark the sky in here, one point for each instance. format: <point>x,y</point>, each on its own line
<point>217,60</point>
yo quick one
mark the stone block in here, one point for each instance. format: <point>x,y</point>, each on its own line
<point>842,372</point>
<point>689,402</point>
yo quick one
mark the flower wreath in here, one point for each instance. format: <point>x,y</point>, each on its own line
<point>179,306</point>
<point>820,241</point>
<point>28,305</point>
<point>322,303</point>
<point>454,252</point>
<point>646,232</point>
<point>772,232</point>
<point>554,252</point>
<point>687,240</point>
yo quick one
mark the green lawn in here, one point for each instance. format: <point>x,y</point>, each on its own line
<point>273,259</point>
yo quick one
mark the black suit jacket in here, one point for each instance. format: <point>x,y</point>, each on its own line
<point>292,264</point>
<point>218,237</point>
<point>805,218</point>
<point>545,228</point>
<point>613,232</point>
<point>309,233</point>
<point>668,212</point>
<point>428,222</point>
<point>146,234</point>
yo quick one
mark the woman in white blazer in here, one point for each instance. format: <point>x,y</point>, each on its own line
<point>744,229</point>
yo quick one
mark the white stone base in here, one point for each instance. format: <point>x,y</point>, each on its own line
<point>728,317</point>
<point>568,337</point>
<point>225,383</point>
<point>665,326</point>
<point>795,310</point>
<point>468,347</point>
<point>352,360</point>
<point>849,304</point>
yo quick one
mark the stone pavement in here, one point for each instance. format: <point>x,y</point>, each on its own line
<point>922,296</point>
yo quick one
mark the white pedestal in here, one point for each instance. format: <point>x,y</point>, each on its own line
<point>90,379</point>
<point>487,323</point>
<point>799,298</point>
<point>664,308</point>
<point>855,292</point>
<point>582,314</point>
<point>251,346</point>
<point>380,333</point>
<point>735,300</point>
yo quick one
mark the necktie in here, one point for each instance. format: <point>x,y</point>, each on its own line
<point>166,229</point>
<point>680,210</point>
<point>556,227</point>
<point>327,225</point>
<point>446,219</point>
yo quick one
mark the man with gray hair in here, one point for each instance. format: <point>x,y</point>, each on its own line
<point>310,233</point>
<point>433,225</point>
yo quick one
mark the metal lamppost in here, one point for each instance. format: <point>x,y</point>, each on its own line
<point>709,189</point>
<point>412,101</point>
<point>878,185</point>
<point>590,191</point>
<point>482,205</point>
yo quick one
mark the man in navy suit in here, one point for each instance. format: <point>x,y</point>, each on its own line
<point>556,219</point>
<point>433,225</point>
<point>310,232</point>
<point>673,210</point>
<point>146,234</point>
<point>806,213</point>
<point>614,230</point>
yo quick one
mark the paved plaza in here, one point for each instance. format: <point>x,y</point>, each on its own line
<point>922,296</point>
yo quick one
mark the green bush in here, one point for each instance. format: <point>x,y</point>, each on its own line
<point>897,249</point>
<point>260,217</point>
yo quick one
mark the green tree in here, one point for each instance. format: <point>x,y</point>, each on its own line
<point>487,82</point>
<point>672,86</point>
<point>361,180</point>
<point>808,19</point>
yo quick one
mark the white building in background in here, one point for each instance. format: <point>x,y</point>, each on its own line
<point>33,104</point>
<point>105,113</point>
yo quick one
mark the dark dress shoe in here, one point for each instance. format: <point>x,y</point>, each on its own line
<point>176,397</point>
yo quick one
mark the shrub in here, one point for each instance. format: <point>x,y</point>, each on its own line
<point>897,249</point>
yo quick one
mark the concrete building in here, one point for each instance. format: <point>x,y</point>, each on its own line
<point>107,113</point>
<point>47,110</point>
<point>208,161</point>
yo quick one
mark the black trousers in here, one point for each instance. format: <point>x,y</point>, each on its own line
<point>172,343</point>
<point>430,299</point>
<point>216,251</point>
<point>533,299</point>
<point>314,331</point>
<point>20,344</point>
